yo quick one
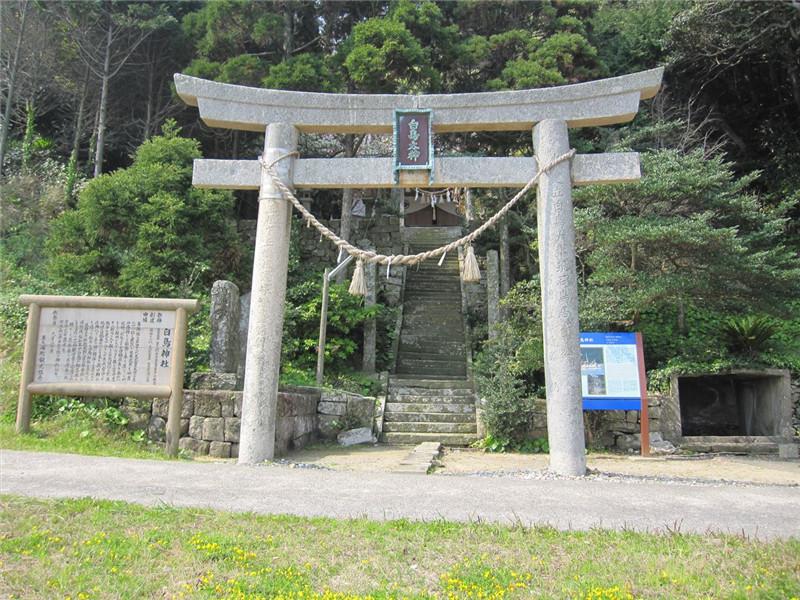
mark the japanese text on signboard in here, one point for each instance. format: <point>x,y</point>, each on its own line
<point>102,345</point>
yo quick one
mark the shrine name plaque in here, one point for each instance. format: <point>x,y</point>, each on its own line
<point>413,141</point>
<point>103,346</point>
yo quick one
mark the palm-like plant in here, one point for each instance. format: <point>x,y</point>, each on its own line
<point>748,335</point>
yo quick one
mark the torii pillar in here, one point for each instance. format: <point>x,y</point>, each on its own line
<point>549,112</point>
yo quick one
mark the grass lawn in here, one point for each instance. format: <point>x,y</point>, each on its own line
<point>80,430</point>
<point>101,549</point>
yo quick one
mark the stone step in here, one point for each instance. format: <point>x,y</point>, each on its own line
<point>447,320</point>
<point>444,309</point>
<point>723,443</point>
<point>430,417</point>
<point>449,280</point>
<point>427,383</point>
<point>445,350</point>
<point>429,367</point>
<point>430,427</point>
<point>438,405</point>
<point>412,394</point>
<point>434,358</point>
<point>448,439</point>
<point>456,394</point>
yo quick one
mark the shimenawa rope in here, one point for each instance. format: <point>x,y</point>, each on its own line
<point>400,259</point>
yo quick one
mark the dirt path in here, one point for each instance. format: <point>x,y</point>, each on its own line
<point>762,470</point>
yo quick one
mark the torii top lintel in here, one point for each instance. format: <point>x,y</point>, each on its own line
<point>594,103</point>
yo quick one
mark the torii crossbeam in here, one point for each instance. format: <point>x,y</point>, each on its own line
<point>548,112</point>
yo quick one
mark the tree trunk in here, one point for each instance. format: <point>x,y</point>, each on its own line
<point>681,317</point>
<point>76,140</point>
<point>101,123</point>
<point>12,76</point>
<point>347,202</point>
<point>149,110</point>
<point>288,30</point>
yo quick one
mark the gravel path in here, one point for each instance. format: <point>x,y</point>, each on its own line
<point>763,511</point>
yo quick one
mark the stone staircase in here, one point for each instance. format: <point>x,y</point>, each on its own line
<point>430,394</point>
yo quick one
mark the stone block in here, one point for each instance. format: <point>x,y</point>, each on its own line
<point>787,451</point>
<point>234,450</point>
<point>628,442</point>
<point>623,427</point>
<point>187,407</point>
<point>190,444</point>
<point>305,424</point>
<point>206,405</point>
<point>351,437</point>
<point>332,408</point>
<point>226,407</point>
<point>214,429</point>
<point>284,429</point>
<point>328,426</point>
<point>237,405</point>
<point>210,380</point>
<point>632,416</point>
<point>301,441</point>
<point>156,429</point>
<point>184,427</point>
<point>219,449</point>
<point>161,407</point>
<point>232,427</point>
<point>137,421</point>
<point>196,427</point>
<point>361,410</point>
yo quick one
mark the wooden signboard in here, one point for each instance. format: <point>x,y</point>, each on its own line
<point>102,346</point>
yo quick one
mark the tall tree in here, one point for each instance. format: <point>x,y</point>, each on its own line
<point>11,67</point>
<point>106,34</point>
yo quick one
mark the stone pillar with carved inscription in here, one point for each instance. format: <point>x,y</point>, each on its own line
<point>562,361</point>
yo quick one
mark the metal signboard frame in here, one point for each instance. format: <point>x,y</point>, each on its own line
<point>624,394</point>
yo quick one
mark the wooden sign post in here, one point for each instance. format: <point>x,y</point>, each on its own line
<point>103,346</point>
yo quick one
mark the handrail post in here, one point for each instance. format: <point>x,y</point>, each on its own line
<point>323,326</point>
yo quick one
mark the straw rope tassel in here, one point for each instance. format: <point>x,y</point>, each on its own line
<point>358,285</point>
<point>471,274</point>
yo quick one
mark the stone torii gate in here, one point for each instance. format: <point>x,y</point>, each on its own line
<point>548,112</point>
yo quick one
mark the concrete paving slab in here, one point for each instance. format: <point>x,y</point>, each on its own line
<point>762,511</point>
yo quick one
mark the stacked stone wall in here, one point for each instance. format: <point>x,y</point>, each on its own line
<point>211,419</point>
<point>611,429</point>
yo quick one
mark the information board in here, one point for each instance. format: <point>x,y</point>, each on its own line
<point>94,345</point>
<point>102,346</point>
<point>611,373</point>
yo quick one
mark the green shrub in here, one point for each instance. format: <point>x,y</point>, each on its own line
<point>145,230</point>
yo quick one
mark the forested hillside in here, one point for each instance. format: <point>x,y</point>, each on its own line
<point>701,255</point>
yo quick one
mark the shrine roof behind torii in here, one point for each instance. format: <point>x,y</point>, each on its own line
<point>594,103</point>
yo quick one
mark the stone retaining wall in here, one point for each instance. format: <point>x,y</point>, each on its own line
<point>615,429</point>
<point>210,419</point>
